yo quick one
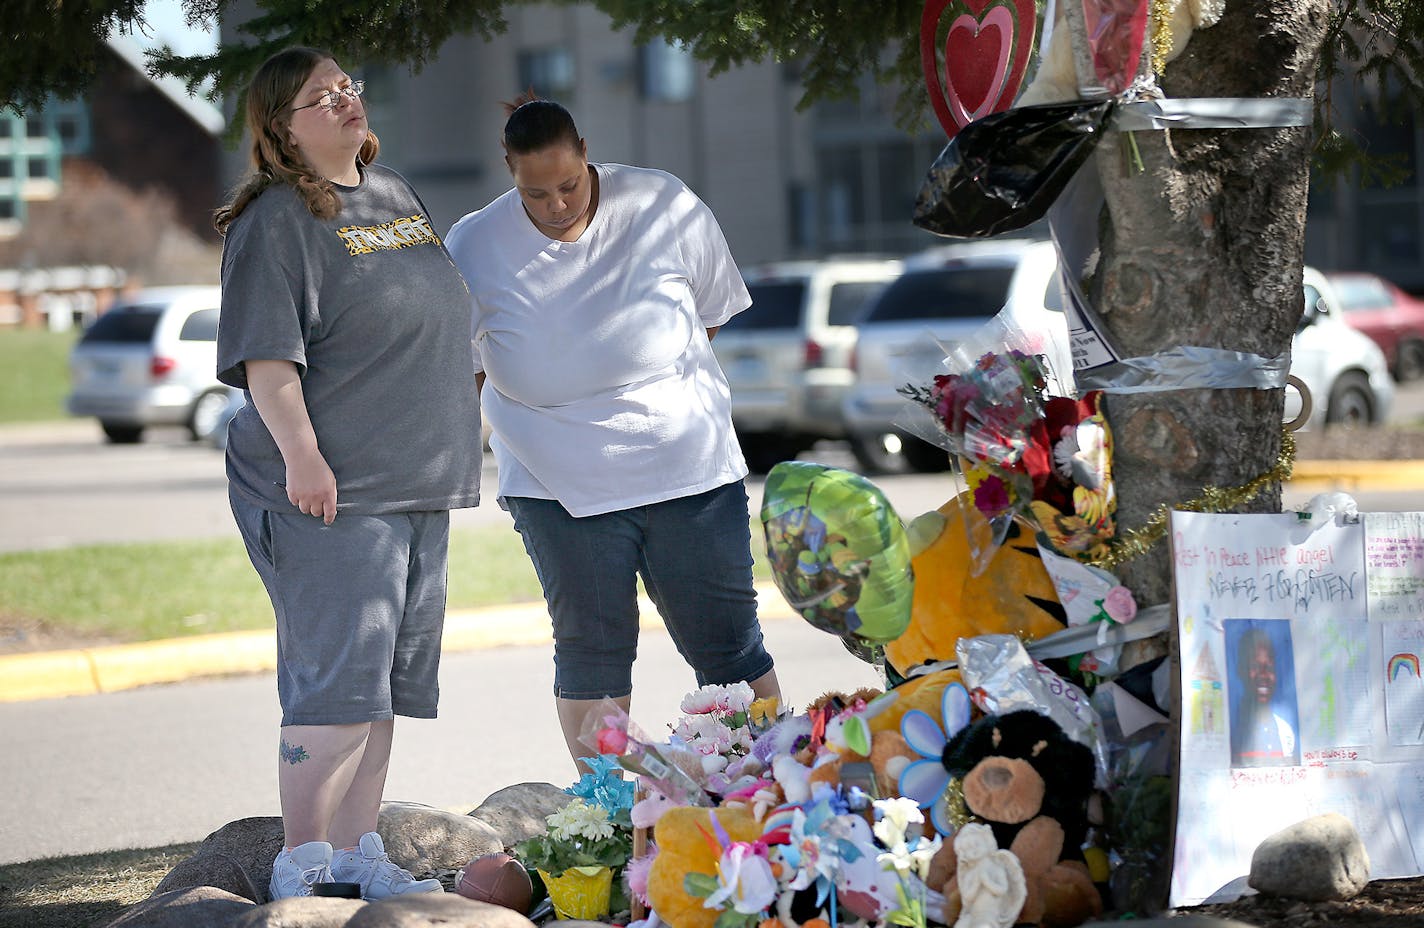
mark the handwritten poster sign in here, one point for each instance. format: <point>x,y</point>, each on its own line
<point>1301,646</point>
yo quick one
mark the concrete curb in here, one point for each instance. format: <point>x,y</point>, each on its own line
<point>1358,475</point>
<point>89,671</point>
<point>111,668</point>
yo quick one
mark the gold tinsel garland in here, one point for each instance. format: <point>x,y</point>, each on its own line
<point>1161,32</point>
<point>1213,499</point>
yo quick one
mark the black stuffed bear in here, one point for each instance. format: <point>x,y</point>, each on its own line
<point>1026,779</point>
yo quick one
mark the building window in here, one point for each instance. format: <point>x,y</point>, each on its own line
<point>548,71</point>
<point>666,72</point>
<point>7,208</point>
<point>35,127</point>
<point>7,168</point>
<point>39,168</point>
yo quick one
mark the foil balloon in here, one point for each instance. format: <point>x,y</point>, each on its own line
<point>986,49</point>
<point>838,551</point>
<point>1115,33</point>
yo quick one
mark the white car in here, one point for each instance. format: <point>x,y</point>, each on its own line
<point>787,358</point>
<point>151,359</point>
<point>944,297</point>
<point>1344,369</point>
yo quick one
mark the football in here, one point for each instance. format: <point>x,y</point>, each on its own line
<point>497,879</point>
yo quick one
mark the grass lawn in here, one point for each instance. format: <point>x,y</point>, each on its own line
<point>34,374</point>
<point>143,592</point>
<point>78,892</point>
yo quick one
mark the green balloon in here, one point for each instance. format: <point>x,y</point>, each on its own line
<point>838,551</point>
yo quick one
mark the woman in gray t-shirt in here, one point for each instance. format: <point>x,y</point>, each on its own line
<point>348,326</point>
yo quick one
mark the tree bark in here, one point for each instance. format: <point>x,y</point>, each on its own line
<point>1205,247</point>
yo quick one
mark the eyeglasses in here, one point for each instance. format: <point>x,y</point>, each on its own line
<point>331,99</point>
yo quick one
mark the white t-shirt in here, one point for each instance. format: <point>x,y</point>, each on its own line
<point>601,388</point>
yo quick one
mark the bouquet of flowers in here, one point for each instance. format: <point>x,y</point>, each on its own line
<point>1025,453</point>
<point>581,834</point>
<point>717,723</point>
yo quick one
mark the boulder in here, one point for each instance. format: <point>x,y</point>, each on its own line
<point>427,910</point>
<point>184,908</point>
<point>424,839</point>
<point>248,844</point>
<point>1318,859</point>
<point>210,867</point>
<point>301,912</point>
<point>518,812</point>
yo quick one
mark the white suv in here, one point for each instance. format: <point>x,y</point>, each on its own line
<point>151,359</point>
<point>787,358</point>
<point>944,296</point>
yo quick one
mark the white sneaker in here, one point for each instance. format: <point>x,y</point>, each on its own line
<point>294,871</point>
<point>379,878</point>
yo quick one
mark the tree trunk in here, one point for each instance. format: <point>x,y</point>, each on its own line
<point>1205,247</point>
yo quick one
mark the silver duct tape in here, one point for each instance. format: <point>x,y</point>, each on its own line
<point>1188,367</point>
<point>1214,113</point>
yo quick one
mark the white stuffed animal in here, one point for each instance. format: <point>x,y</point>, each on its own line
<point>991,880</point>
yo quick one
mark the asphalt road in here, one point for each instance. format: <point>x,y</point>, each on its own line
<point>61,485</point>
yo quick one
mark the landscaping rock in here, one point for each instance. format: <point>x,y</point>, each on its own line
<point>428,910</point>
<point>209,867</point>
<point>1319,859</point>
<point>518,812</point>
<point>424,839</point>
<point>249,843</point>
<point>302,912</point>
<point>185,908</point>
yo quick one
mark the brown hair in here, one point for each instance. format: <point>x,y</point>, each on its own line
<point>274,158</point>
<point>534,124</point>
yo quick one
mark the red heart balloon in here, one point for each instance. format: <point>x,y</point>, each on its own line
<point>1115,31</point>
<point>986,51</point>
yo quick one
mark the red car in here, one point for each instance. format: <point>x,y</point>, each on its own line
<point>1393,318</point>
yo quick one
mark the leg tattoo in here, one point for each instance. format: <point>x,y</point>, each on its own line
<point>292,753</point>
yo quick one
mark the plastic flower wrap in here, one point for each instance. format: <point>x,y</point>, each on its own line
<point>1024,453</point>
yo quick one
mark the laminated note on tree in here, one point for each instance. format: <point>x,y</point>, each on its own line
<point>1289,628</point>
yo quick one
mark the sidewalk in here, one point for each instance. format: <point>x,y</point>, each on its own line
<point>88,671</point>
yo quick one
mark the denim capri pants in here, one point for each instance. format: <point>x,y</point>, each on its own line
<point>694,555</point>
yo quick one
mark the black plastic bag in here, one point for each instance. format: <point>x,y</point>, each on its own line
<point>1004,171</point>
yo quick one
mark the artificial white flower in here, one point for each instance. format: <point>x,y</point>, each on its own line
<point>579,819</point>
<point>896,816</point>
<point>744,877</point>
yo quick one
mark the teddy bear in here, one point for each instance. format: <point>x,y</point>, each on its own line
<point>1022,776</point>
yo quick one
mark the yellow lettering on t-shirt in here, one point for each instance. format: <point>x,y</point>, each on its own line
<point>398,233</point>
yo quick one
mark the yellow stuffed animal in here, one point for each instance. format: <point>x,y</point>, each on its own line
<point>687,844</point>
<point>1014,594</point>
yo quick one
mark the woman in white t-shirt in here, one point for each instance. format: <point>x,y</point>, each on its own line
<point>597,289</point>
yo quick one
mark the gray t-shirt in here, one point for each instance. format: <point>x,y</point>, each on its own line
<point>377,319</point>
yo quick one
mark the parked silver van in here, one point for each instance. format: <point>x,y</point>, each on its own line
<point>151,359</point>
<point>787,358</point>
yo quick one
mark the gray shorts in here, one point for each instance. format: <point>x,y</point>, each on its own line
<point>360,607</point>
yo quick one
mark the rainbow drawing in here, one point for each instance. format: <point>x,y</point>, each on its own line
<point>1403,663</point>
